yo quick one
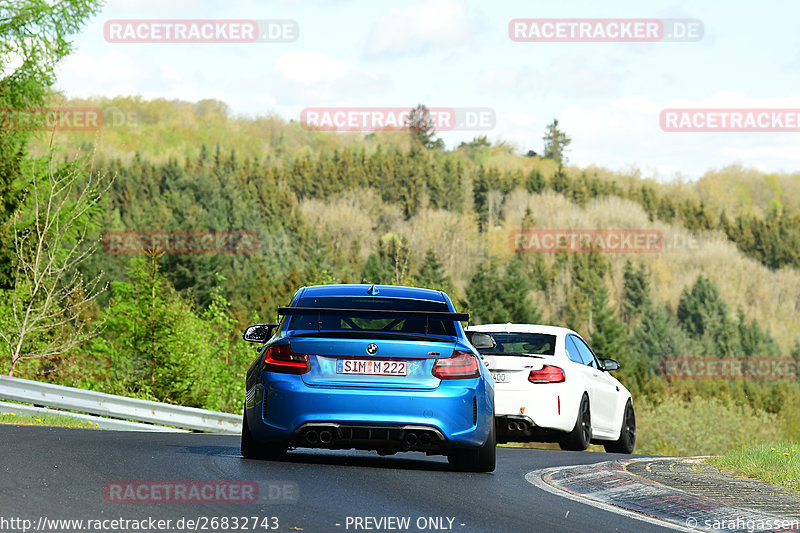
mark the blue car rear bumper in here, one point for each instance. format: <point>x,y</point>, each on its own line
<point>283,407</point>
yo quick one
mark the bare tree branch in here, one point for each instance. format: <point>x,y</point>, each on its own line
<point>51,228</point>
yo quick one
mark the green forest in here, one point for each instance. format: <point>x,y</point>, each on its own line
<point>391,207</point>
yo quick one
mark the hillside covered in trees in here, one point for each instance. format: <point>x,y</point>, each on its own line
<point>384,208</point>
<point>259,206</point>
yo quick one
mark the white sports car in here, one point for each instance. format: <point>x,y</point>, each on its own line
<point>551,387</point>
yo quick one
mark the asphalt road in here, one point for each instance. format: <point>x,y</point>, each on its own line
<point>61,473</point>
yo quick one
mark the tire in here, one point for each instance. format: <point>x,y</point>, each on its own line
<point>627,435</point>
<point>252,449</point>
<point>579,438</point>
<point>481,459</point>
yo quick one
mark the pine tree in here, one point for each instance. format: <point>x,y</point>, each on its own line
<point>666,210</point>
<point>608,333</point>
<point>535,182</point>
<point>145,338</point>
<point>753,340</point>
<point>795,349</point>
<point>422,127</point>
<point>496,298</point>
<point>561,182</point>
<point>516,286</point>
<point>528,220</point>
<point>704,316</point>
<point>432,275</point>
<point>701,309</point>
<point>635,292</point>
<point>587,272</point>
<point>481,293</point>
<point>555,143</point>
<point>658,335</point>
<point>390,264</point>
<point>609,338</point>
<point>480,195</point>
<point>450,195</point>
<point>541,275</point>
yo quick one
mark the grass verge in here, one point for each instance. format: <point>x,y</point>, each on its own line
<point>776,463</point>
<point>45,420</point>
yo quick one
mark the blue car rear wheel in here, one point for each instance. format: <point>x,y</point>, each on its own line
<point>481,459</point>
<point>252,449</point>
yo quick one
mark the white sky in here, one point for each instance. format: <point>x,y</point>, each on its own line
<point>452,53</point>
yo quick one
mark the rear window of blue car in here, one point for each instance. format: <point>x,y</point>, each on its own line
<point>343,322</point>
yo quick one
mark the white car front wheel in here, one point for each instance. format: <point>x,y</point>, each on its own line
<point>581,435</point>
<point>627,435</point>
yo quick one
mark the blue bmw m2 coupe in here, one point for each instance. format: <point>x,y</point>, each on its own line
<point>382,368</point>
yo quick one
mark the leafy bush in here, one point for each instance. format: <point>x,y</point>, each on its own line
<point>159,348</point>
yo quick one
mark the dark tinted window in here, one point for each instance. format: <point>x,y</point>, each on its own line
<point>521,343</point>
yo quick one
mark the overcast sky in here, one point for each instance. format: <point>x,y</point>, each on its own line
<point>455,54</point>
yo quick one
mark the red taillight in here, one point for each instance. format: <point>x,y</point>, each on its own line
<point>547,374</point>
<point>460,365</point>
<point>282,359</point>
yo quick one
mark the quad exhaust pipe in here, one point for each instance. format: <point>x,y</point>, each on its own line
<point>414,439</point>
<point>323,437</point>
<point>517,426</point>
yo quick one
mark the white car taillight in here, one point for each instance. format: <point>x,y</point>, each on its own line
<point>547,374</point>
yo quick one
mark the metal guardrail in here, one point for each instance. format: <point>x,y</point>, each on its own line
<point>99,421</point>
<point>109,405</point>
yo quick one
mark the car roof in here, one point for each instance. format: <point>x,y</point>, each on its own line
<point>383,291</point>
<point>522,328</point>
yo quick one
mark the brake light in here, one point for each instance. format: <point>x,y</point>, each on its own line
<point>547,374</point>
<point>282,359</point>
<point>460,365</point>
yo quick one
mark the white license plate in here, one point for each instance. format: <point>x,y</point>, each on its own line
<point>372,368</point>
<point>501,377</point>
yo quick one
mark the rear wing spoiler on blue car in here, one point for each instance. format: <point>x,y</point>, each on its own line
<point>372,313</point>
